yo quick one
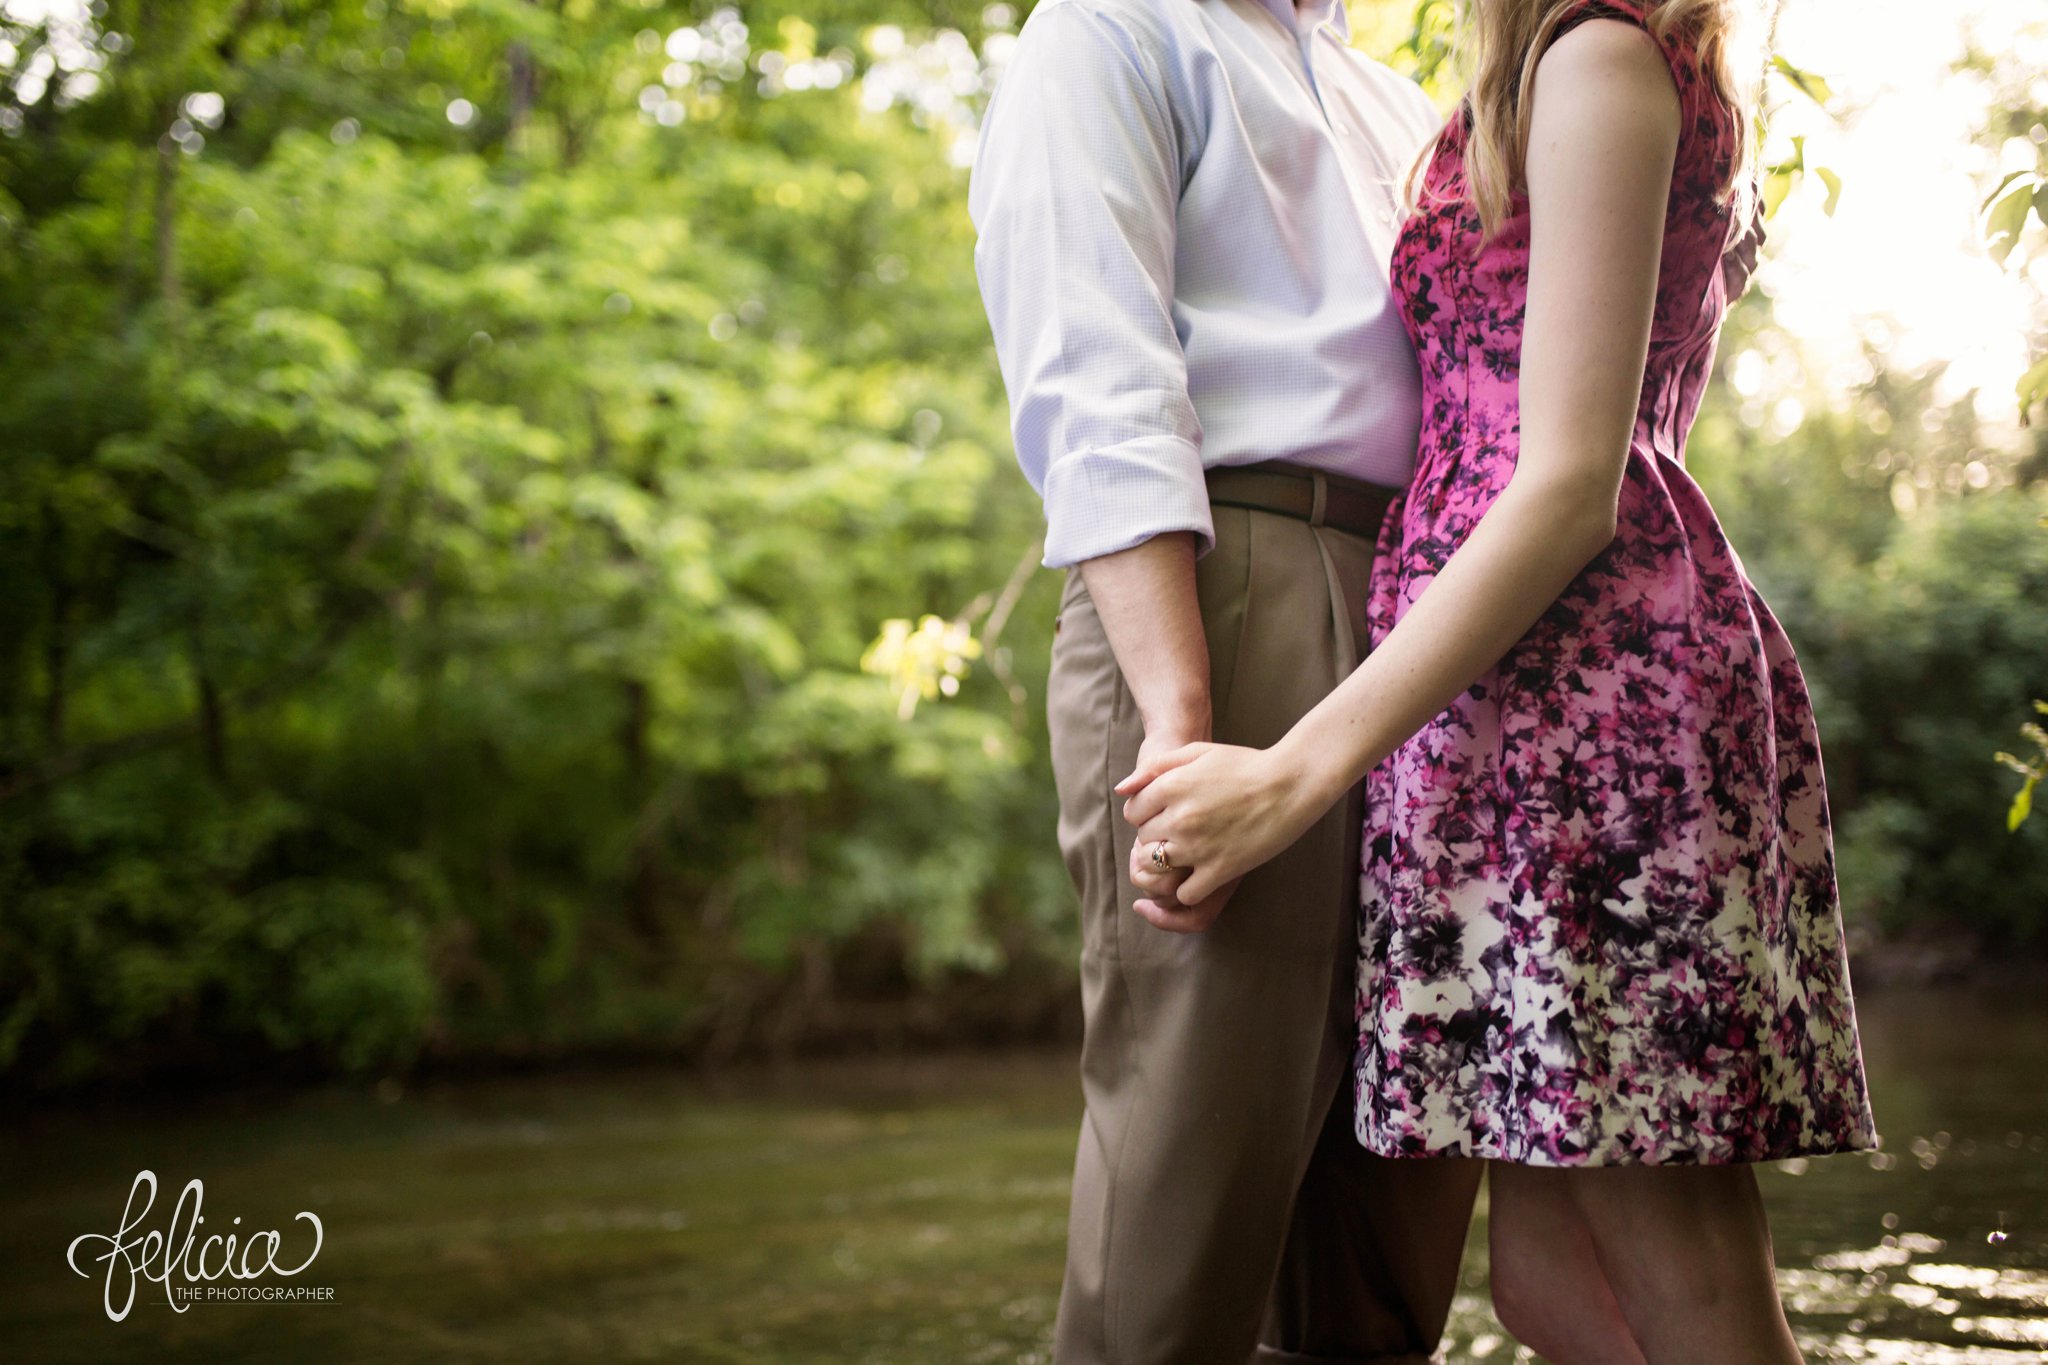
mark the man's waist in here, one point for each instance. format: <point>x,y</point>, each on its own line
<point>1315,496</point>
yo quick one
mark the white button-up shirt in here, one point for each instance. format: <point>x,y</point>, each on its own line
<point>1186,209</point>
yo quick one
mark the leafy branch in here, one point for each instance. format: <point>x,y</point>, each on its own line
<point>2032,769</point>
<point>930,660</point>
<point>1783,176</point>
<point>2020,196</point>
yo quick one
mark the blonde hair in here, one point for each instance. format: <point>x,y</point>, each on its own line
<point>1499,43</point>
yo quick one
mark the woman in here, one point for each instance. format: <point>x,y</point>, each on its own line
<point>1600,944</point>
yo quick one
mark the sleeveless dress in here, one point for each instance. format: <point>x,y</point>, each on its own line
<point>1599,920</point>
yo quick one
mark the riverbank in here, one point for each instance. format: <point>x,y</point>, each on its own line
<point>1035,1007</point>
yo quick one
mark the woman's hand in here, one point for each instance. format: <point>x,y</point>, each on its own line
<point>1221,810</point>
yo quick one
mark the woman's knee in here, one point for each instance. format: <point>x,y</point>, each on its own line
<point>1547,1288</point>
<point>1523,1303</point>
<point>1688,1253</point>
<point>1686,1233</point>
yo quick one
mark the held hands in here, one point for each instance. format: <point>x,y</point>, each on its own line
<point>1221,810</point>
<point>1156,903</point>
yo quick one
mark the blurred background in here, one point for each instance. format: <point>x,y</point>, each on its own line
<point>521,663</point>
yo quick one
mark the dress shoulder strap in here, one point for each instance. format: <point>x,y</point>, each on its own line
<point>1710,141</point>
<point>1673,45</point>
<point>1710,130</point>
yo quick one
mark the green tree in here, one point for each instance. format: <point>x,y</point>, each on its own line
<point>2014,213</point>
<point>458,456</point>
<point>461,457</point>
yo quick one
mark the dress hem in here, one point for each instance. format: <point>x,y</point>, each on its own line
<point>1799,1153</point>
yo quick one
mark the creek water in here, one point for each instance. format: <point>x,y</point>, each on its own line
<point>889,1210</point>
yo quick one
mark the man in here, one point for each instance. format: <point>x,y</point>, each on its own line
<point>1187,209</point>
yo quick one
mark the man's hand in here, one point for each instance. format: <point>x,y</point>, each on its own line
<point>1147,601</point>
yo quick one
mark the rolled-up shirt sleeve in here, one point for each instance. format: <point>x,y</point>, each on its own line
<point>1075,191</point>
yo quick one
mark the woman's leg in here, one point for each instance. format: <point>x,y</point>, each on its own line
<point>1687,1250</point>
<point>1548,1288</point>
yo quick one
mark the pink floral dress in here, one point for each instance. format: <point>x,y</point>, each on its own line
<point>1600,923</point>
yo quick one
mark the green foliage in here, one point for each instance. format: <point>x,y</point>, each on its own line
<point>439,557</point>
<point>1938,646</point>
<point>2031,767</point>
<point>2017,108</point>
<point>1412,36</point>
<point>1900,546</point>
<point>2006,213</point>
<point>461,453</point>
<point>1811,84</point>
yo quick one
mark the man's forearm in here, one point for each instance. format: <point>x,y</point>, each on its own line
<point>1146,598</point>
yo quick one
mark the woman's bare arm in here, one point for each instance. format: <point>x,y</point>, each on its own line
<point>1602,147</point>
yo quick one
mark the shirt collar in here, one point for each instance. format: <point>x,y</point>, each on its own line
<point>1318,12</point>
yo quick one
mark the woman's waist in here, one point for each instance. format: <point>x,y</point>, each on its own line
<point>1452,437</point>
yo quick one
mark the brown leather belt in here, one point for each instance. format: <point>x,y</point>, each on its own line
<point>1310,495</point>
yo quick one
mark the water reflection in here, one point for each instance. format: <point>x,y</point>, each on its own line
<point>1960,1270</point>
<point>1932,1249</point>
<point>909,1212</point>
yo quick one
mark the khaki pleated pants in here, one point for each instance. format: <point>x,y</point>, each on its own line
<point>1222,1209</point>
